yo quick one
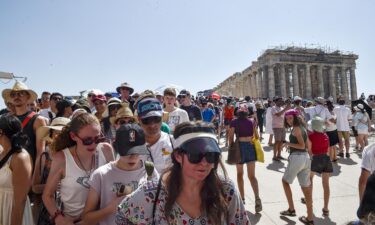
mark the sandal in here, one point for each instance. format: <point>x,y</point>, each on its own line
<point>258,205</point>
<point>276,159</point>
<point>306,221</point>
<point>325,212</point>
<point>288,212</point>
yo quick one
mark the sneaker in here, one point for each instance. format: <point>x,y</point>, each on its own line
<point>347,155</point>
<point>258,205</point>
<point>341,154</point>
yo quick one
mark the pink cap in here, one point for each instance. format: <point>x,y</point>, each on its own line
<point>291,112</point>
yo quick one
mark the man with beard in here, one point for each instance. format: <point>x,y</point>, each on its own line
<point>150,114</point>
<point>20,96</point>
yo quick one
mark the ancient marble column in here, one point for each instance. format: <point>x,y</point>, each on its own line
<point>332,83</point>
<point>344,84</point>
<point>353,84</point>
<point>282,81</point>
<point>295,80</point>
<point>307,93</point>
<point>271,82</point>
<point>320,81</point>
<point>264,83</point>
<point>253,85</point>
<point>259,83</point>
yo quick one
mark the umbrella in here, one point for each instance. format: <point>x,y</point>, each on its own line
<point>161,89</point>
<point>214,95</point>
<point>366,106</point>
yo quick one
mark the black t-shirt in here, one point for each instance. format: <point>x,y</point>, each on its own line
<point>193,112</point>
<point>29,131</point>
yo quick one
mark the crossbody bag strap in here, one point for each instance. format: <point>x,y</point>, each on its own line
<point>155,201</point>
<point>27,119</point>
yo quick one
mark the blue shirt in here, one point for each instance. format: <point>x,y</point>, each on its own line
<point>207,115</point>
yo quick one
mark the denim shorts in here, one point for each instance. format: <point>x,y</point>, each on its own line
<point>247,152</point>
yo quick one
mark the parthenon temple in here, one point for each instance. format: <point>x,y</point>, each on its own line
<point>295,71</point>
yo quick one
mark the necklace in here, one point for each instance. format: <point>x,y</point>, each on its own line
<point>88,172</point>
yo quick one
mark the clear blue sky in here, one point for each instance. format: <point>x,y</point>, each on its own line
<point>72,45</point>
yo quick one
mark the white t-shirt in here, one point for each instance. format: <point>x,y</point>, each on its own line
<point>161,153</point>
<point>45,113</point>
<point>107,180</point>
<point>320,111</point>
<point>331,126</point>
<point>368,158</point>
<point>176,117</point>
<point>343,116</point>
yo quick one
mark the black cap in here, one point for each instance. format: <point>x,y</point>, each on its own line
<point>184,92</point>
<point>130,139</point>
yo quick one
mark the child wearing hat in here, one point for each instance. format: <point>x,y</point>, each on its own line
<point>110,183</point>
<point>321,162</point>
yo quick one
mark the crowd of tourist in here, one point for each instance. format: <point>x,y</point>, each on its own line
<point>154,158</point>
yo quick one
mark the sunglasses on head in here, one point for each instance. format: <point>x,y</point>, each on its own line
<point>90,140</point>
<point>18,94</point>
<point>195,158</point>
<point>150,120</point>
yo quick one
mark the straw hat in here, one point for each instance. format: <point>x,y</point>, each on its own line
<point>57,124</point>
<point>124,111</point>
<point>19,86</point>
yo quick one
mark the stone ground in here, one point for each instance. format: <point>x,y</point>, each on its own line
<point>344,198</point>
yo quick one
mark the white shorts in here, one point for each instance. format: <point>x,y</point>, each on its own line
<point>299,164</point>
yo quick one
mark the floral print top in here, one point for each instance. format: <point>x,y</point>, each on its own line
<point>137,208</point>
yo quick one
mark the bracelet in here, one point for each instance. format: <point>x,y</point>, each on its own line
<point>55,215</point>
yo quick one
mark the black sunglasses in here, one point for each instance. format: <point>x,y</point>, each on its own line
<point>150,120</point>
<point>18,94</point>
<point>211,157</point>
<point>90,140</point>
<point>56,99</point>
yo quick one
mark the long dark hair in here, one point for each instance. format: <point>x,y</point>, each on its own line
<point>11,127</point>
<point>212,193</point>
<point>63,140</point>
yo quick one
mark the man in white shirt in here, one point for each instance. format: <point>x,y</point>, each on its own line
<point>343,116</point>
<point>367,167</point>
<point>50,113</point>
<point>150,114</point>
<point>175,115</point>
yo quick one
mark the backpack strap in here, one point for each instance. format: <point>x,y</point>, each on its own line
<point>28,118</point>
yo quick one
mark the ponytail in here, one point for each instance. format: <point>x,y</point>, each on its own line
<point>18,141</point>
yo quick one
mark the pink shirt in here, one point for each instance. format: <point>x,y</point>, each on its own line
<point>277,121</point>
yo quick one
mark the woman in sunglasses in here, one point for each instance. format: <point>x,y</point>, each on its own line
<point>191,191</point>
<point>77,153</point>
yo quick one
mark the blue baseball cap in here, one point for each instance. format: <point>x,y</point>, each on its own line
<point>149,107</point>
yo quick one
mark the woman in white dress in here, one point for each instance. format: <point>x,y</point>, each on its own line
<point>269,122</point>
<point>15,173</point>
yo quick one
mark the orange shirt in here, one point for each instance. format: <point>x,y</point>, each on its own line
<point>228,112</point>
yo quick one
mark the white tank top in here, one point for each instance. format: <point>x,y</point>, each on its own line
<point>74,186</point>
